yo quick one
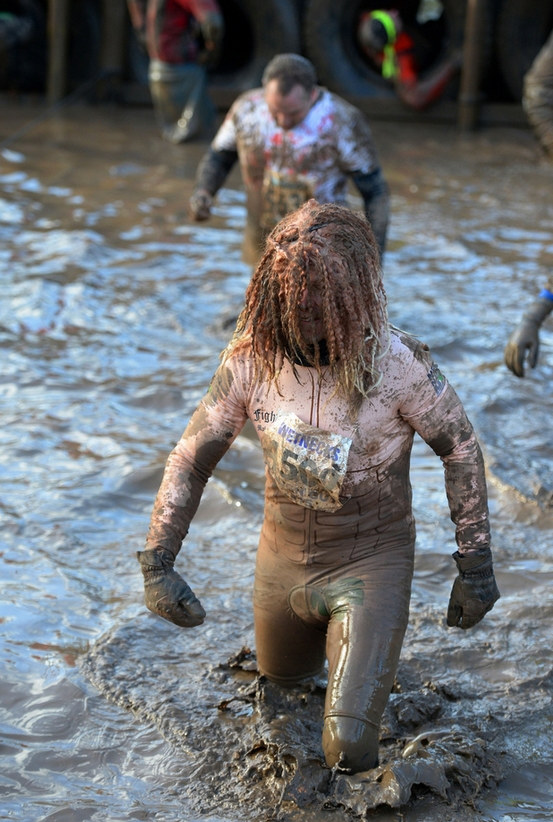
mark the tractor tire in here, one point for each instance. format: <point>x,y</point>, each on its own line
<point>254,32</point>
<point>522,29</point>
<point>331,44</point>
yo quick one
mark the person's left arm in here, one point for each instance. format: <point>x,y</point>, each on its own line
<point>359,159</point>
<point>376,198</point>
<point>435,411</point>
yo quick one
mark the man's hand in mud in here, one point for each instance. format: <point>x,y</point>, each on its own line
<point>200,205</point>
<point>474,591</point>
<point>166,593</point>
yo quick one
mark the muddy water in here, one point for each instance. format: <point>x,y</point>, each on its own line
<point>113,311</point>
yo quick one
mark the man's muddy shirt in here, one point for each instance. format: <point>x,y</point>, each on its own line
<point>412,397</point>
<point>282,169</point>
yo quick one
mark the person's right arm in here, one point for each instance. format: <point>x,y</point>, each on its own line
<point>523,344</point>
<point>213,427</point>
<point>215,165</point>
<point>212,173</point>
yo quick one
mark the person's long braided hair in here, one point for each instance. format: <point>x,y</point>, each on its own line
<point>336,248</point>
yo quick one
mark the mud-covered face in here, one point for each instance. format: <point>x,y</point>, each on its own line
<point>310,312</point>
<point>291,109</point>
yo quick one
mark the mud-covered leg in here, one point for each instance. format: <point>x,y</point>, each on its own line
<point>364,642</point>
<point>288,650</point>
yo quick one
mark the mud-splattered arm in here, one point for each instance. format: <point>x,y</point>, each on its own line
<point>213,170</point>
<point>214,425</point>
<point>465,478</point>
<point>212,173</point>
<point>433,409</point>
<point>358,159</point>
<point>450,434</point>
<point>376,197</point>
<point>442,422</point>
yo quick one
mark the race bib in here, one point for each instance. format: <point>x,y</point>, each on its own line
<point>307,464</point>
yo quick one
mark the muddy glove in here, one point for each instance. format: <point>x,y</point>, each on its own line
<point>474,591</point>
<point>166,593</point>
<point>200,205</point>
<point>525,338</point>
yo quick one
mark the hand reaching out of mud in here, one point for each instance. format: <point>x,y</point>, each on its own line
<point>166,593</point>
<point>474,591</point>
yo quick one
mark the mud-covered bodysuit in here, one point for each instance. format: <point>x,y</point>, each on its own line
<point>335,582</point>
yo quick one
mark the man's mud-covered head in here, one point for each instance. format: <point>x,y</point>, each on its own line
<point>290,87</point>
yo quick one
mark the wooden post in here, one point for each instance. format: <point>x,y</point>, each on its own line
<point>114,30</point>
<point>58,25</point>
<point>112,48</point>
<point>469,94</point>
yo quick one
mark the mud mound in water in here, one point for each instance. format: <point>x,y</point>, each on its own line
<point>253,746</point>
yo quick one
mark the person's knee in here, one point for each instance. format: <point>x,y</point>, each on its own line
<point>351,744</point>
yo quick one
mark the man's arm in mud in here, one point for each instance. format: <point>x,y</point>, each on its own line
<point>376,196</point>
<point>213,170</point>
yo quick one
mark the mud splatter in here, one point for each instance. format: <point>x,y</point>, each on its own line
<point>261,743</point>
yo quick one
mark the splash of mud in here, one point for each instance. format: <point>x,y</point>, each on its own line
<point>254,745</point>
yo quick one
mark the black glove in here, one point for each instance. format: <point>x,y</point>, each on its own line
<point>474,591</point>
<point>525,338</point>
<point>200,205</point>
<point>166,593</point>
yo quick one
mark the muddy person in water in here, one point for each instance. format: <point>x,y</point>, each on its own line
<point>336,395</point>
<point>294,140</point>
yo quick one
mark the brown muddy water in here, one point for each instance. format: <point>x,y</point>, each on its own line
<point>114,308</point>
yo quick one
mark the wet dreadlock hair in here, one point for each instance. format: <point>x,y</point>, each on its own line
<point>335,248</point>
<point>290,70</point>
